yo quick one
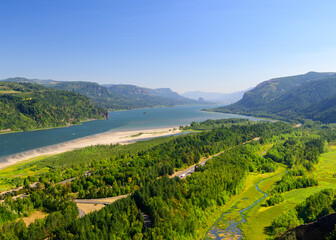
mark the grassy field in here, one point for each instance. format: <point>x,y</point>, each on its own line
<point>35,215</point>
<point>14,174</point>
<point>260,217</point>
<point>264,148</point>
<point>8,91</point>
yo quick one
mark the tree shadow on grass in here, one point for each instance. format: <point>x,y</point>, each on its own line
<point>268,230</point>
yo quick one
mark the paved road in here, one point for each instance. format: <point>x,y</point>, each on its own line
<point>104,201</point>
<point>86,174</point>
<point>81,212</point>
<point>191,169</point>
<point>67,180</point>
<point>90,201</point>
<point>147,221</point>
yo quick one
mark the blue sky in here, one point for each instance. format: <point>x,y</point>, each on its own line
<point>208,45</point>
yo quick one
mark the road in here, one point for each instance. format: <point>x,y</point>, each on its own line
<point>86,174</point>
<point>67,180</point>
<point>104,201</point>
<point>184,173</point>
<point>147,221</point>
<point>81,213</point>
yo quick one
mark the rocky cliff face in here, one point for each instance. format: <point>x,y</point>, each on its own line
<point>317,230</point>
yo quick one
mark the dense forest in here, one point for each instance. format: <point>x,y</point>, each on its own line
<point>117,97</point>
<point>160,206</point>
<point>308,96</point>
<point>26,106</point>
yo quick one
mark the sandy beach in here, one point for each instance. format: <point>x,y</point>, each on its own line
<point>111,137</point>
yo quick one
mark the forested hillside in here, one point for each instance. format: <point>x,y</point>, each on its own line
<point>26,106</point>
<point>298,97</point>
<point>117,97</point>
<point>138,97</point>
<point>160,206</point>
<point>269,90</point>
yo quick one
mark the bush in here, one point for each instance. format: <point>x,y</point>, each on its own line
<point>275,199</point>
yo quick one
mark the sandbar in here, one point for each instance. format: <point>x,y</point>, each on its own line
<point>110,137</point>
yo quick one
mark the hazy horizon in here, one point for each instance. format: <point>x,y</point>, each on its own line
<point>179,92</point>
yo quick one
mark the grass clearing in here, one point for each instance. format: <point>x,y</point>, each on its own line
<point>88,208</point>
<point>10,176</point>
<point>35,215</point>
<point>8,91</point>
<point>260,217</point>
<point>264,148</point>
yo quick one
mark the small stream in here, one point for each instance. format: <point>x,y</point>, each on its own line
<point>232,230</point>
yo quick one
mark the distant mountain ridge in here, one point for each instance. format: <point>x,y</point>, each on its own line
<point>295,97</point>
<point>224,98</point>
<point>132,90</point>
<point>117,96</point>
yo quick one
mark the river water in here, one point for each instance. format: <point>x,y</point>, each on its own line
<point>14,143</point>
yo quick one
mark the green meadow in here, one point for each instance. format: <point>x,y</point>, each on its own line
<point>260,217</point>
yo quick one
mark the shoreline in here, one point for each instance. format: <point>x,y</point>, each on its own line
<point>106,138</point>
<point>94,119</point>
<point>48,128</point>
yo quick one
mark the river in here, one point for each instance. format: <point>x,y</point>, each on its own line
<point>14,143</point>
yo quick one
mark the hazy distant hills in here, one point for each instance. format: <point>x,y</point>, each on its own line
<point>27,106</point>
<point>156,94</point>
<point>117,97</point>
<point>224,98</point>
<point>311,95</point>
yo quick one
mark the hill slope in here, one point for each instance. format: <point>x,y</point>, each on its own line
<point>27,106</point>
<point>318,230</point>
<point>297,97</point>
<point>117,97</point>
<point>138,97</point>
<point>272,89</point>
